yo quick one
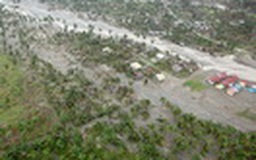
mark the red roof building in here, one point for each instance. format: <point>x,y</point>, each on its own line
<point>217,78</point>
<point>230,80</point>
<point>246,83</point>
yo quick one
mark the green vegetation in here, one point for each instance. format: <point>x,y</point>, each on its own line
<point>11,115</point>
<point>195,85</point>
<point>248,114</point>
<point>10,91</point>
<point>10,79</point>
<point>20,117</point>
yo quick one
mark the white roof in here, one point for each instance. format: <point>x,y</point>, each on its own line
<point>160,55</point>
<point>107,49</point>
<point>135,65</point>
<point>160,76</point>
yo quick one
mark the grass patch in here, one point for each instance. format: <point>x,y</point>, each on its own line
<point>164,65</point>
<point>195,85</point>
<point>10,91</point>
<point>12,115</point>
<point>21,119</point>
<point>248,115</point>
<point>183,74</point>
<point>10,81</point>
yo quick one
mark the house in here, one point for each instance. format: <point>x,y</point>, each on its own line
<point>251,90</point>
<point>227,82</point>
<point>217,78</point>
<point>135,66</point>
<point>234,89</point>
<point>231,91</point>
<point>246,83</point>
<point>160,56</point>
<point>107,50</point>
<point>160,77</point>
<point>220,86</point>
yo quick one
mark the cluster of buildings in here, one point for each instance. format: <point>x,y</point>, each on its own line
<point>139,72</point>
<point>154,66</point>
<point>232,84</point>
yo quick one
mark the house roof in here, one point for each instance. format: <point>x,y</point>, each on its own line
<point>107,49</point>
<point>160,76</point>
<point>231,91</point>
<point>218,77</point>
<point>135,65</point>
<point>230,80</point>
<point>160,56</point>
